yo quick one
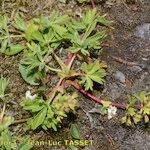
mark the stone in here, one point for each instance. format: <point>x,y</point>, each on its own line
<point>120,76</point>
<point>143,31</point>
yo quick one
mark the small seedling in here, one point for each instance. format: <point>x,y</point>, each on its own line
<point>133,115</point>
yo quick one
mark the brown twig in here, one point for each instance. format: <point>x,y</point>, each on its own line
<point>20,121</point>
<point>69,63</point>
<point>120,60</point>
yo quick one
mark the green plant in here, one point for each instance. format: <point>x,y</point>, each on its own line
<point>133,115</point>
<point>7,141</point>
<point>46,115</point>
<point>93,72</point>
<point>3,85</point>
<point>6,38</point>
<point>43,38</point>
<point>5,120</point>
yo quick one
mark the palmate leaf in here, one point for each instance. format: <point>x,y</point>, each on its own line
<point>31,76</point>
<point>85,40</point>
<point>43,114</point>
<point>32,65</point>
<point>6,140</point>
<point>50,123</point>
<point>37,120</point>
<point>37,35</point>
<point>39,109</point>
<point>4,44</point>
<point>89,30</point>
<point>31,28</point>
<point>33,105</point>
<point>73,36</point>
<point>94,40</point>
<point>19,23</point>
<point>89,17</point>
<point>93,16</point>
<point>3,85</point>
<point>6,122</point>
<point>87,22</point>
<point>143,96</point>
<point>33,61</point>
<point>59,31</point>
<point>92,73</point>
<point>77,25</point>
<point>77,43</point>
<point>55,25</point>
<point>3,22</point>
<point>103,21</point>
<point>57,18</point>
<point>14,49</point>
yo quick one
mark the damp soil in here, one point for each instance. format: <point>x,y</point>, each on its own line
<point>129,40</point>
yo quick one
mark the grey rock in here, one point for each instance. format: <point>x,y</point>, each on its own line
<point>143,31</point>
<point>136,69</point>
<point>113,91</point>
<point>120,76</point>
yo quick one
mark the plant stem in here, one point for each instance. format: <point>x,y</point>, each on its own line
<point>71,57</point>
<point>53,69</point>
<point>93,4</point>
<point>94,98</point>
<point>20,121</point>
<point>52,94</point>
<point>71,61</point>
<point>16,36</point>
<point>11,36</point>
<point>2,113</point>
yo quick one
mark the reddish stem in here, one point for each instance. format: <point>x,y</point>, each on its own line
<point>69,63</point>
<point>93,4</point>
<point>96,99</point>
<point>70,56</point>
<point>71,60</point>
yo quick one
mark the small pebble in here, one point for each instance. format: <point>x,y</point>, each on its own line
<point>120,76</point>
<point>143,31</point>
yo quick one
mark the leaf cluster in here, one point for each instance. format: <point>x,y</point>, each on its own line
<point>43,37</point>
<point>8,142</point>
<point>92,72</point>
<point>46,34</point>
<point>133,115</point>
<point>6,38</point>
<point>49,116</point>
